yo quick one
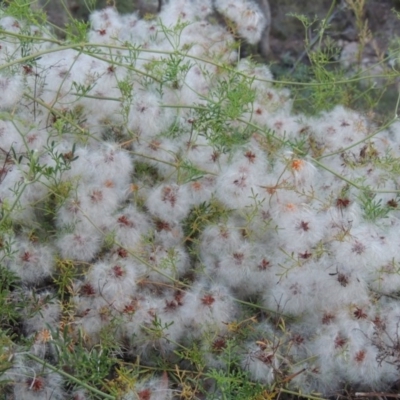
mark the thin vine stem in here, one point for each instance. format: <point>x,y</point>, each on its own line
<point>70,377</point>
<point>229,68</point>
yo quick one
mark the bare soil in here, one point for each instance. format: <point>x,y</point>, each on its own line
<point>288,33</point>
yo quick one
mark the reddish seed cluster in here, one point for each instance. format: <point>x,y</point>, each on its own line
<point>343,280</point>
<point>87,290</point>
<point>250,156</point>
<point>36,384</point>
<point>122,252</point>
<point>178,297</point>
<point>392,203</point>
<point>340,341</point>
<point>218,345</point>
<point>304,130</point>
<point>328,318</point>
<point>297,165</point>
<point>74,206</point>
<point>124,220</point>
<point>358,248</point>
<point>169,195</point>
<point>109,157</point>
<point>298,339</point>
<point>208,300</point>
<point>118,271</point>
<point>27,257</point>
<point>360,356</point>
<point>295,289</point>
<point>344,124</point>
<point>130,308</point>
<point>331,130</point>
<point>359,313</point>
<point>379,323</point>
<point>96,196</point>
<point>305,226</point>
<point>144,394</point>
<point>32,138</point>
<point>27,69</point>
<point>67,157</point>
<point>79,240</point>
<point>264,264</point>
<point>162,226</point>
<point>170,305</point>
<point>215,156</point>
<point>238,257</point>
<point>342,203</point>
<point>306,255</point>
<point>197,186</point>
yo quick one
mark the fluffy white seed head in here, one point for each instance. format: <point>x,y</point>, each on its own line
<point>81,244</point>
<point>169,202</point>
<point>33,262</point>
<point>12,90</point>
<point>248,17</point>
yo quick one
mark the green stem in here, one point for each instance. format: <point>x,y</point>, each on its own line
<point>382,128</point>
<point>82,46</point>
<point>70,377</point>
<point>61,115</point>
<point>396,109</point>
<point>20,191</point>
